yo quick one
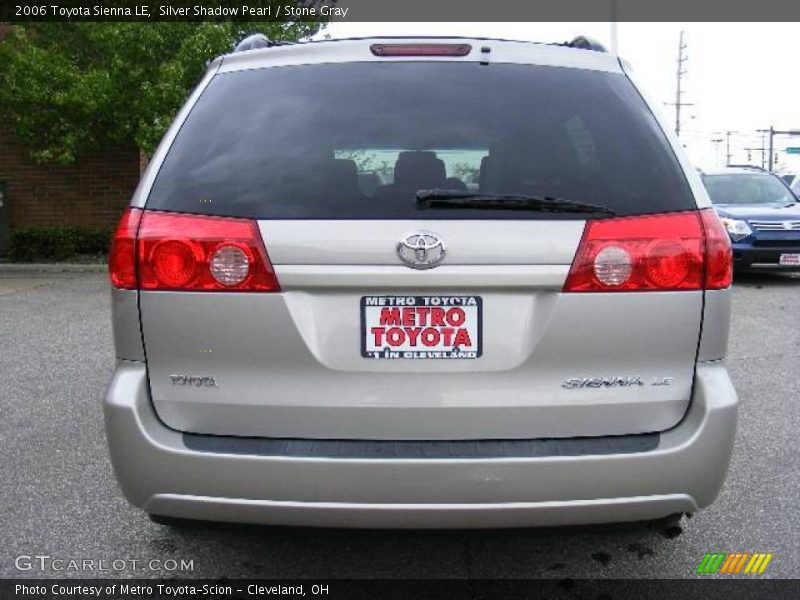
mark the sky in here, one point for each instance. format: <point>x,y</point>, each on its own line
<point>740,77</point>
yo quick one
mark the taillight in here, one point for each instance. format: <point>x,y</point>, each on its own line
<point>719,256</point>
<point>197,253</point>
<point>652,253</point>
<point>122,255</point>
<point>420,49</point>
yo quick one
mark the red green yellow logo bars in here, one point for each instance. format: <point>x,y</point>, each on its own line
<point>734,563</point>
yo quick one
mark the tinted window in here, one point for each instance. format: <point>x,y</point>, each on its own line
<point>357,140</point>
<point>747,188</point>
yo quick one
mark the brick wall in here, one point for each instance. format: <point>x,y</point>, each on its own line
<point>91,192</point>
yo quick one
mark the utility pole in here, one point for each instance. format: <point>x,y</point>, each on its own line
<point>728,147</point>
<point>772,133</point>
<point>770,157</point>
<point>716,142</point>
<point>760,149</point>
<point>771,148</point>
<point>679,73</point>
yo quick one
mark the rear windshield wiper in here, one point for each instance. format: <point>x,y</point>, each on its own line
<point>427,199</point>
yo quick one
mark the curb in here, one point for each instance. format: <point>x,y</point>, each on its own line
<point>19,268</point>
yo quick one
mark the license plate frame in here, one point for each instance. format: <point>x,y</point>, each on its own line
<point>470,304</point>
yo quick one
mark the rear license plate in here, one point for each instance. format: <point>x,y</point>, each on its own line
<point>790,259</point>
<point>421,327</point>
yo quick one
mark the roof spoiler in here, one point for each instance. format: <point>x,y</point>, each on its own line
<point>256,41</point>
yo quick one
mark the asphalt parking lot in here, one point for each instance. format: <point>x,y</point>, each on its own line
<point>60,497</point>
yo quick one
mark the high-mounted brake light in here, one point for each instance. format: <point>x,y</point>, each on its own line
<point>420,49</point>
<point>679,251</point>
<point>189,253</point>
<point>122,255</point>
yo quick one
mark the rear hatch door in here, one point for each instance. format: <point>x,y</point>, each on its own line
<point>365,339</point>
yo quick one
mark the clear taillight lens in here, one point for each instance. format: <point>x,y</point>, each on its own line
<point>613,266</point>
<point>230,265</point>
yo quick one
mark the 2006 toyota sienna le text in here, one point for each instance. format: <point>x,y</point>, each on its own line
<point>420,283</point>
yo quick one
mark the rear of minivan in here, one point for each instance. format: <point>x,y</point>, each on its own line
<point>424,283</point>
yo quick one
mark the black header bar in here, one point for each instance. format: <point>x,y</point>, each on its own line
<point>405,10</point>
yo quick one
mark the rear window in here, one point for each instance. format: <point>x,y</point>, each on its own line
<point>358,140</point>
<point>747,188</point>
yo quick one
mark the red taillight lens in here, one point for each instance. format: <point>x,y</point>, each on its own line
<point>719,256</point>
<point>647,253</point>
<point>420,49</point>
<point>122,255</point>
<point>198,253</point>
<point>175,262</point>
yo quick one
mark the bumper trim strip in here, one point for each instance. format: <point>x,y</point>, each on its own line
<point>422,515</point>
<point>422,449</point>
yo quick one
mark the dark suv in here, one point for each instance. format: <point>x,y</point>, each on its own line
<point>761,215</point>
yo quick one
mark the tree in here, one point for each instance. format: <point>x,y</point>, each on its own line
<point>367,163</point>
<point>69,88</point>
<point>466,172</point>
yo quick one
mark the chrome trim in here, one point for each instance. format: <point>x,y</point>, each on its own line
<point>776,225</point>
<point>421,249</point>
<point>772,266</point>
<point>371,277</point>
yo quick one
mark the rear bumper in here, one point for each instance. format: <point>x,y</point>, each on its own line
<point>748,257</point>
<point>160,474</point>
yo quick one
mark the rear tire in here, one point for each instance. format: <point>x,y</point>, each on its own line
<point>174,522</point>
<point>670,526</point>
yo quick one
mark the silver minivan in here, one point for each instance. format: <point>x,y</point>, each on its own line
<point>420,283</point>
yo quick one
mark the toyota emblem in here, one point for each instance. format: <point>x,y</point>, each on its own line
<point>421,250</point>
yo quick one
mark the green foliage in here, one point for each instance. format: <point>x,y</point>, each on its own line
<point>69,88</point>
<point>34,244</point>
<point>467,172</point>
<point>367,163</point>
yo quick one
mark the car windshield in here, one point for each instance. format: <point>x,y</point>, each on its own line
<point>359,140</point>
<point>747,188</point>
